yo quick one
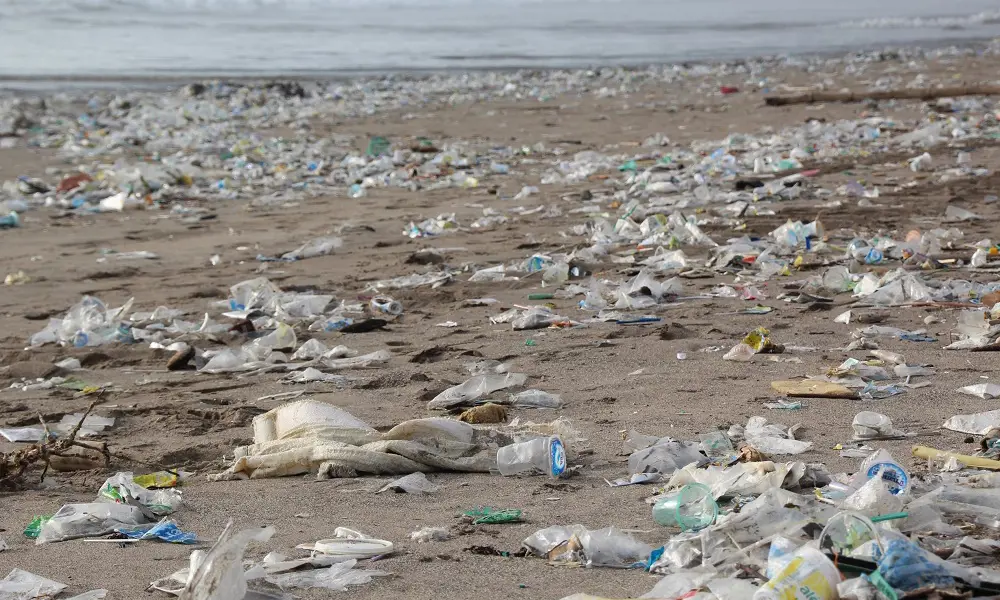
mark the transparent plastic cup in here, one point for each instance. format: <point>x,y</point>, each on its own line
<point>541,455</point>
<point>847,531</point>
<point>691,508</point>
<point>717,445</point>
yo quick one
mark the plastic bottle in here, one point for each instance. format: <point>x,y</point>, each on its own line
<point>541,455</point>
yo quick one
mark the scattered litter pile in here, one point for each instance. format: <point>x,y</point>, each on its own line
<point>830,271</point>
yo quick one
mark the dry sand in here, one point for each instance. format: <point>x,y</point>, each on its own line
<point>612,378</point>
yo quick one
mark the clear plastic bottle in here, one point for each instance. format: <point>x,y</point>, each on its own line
<point>544,455</point>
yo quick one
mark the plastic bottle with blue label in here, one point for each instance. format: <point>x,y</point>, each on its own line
<point>545,455</point>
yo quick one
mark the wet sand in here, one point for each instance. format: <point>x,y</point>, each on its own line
<point>612,378</point>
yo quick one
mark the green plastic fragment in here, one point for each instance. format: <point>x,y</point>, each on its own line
<point>493,516</point>
<point>35,527</point>
<point>377,146</point>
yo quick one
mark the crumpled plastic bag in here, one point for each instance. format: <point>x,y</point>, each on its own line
<point>666,456</point>
<point>870,425</point>
<point>873,498</point>
<point>771,439</point>
<point>906,566</point>
<point>414,483</point>
<point>336,577</point>
<point>609,547</point>
<point>22,585</point>
<point>475,388</point>
<point>121,486</point>
<point>679,585</point>
<point>535,318</point>
<point>431,534</point>
<point>976,423</point>
<point>89,520</point>
<point>986,391</point>
<point>740,479</point>
<point>316,247</point>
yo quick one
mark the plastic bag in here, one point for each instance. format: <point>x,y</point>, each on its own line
<point>607,547</point>
<point>122,486</point>
<point>869,425</point>
<point>873,498</point>
<point>22,585</point>
<point>475,388</point>
<point>986,391</point>
<point>431,534</point>
<point>535,318</point>
<point>666,456</point>
<point>88,520</point>
<point>316,247</point>
<point>906,566</point>
<point>336,577</point>
<point>977,423</point>
<point>771,438</point>
<point>414,483</point>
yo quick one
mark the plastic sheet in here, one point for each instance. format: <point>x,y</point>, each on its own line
<point>218,573</point>
<point>474,389</point>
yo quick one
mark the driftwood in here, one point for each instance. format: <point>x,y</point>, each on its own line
<point>903,94</point>
<point>50,452</point>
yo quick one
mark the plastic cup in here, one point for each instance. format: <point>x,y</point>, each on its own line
<point>540,455</point>
<point>691,508</point>
<point>847,531</point>
<point>717,445</point>
<point>386,305</point>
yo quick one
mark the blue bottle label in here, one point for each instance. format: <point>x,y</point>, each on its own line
<point>557,456</point>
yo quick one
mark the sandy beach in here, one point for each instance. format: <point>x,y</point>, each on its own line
<point>613,378</point>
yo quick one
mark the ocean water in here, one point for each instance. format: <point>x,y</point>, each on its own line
<point>177,38</point>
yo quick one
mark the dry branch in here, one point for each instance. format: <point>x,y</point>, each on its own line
<point>903,94</point>
<point>14,465</point>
